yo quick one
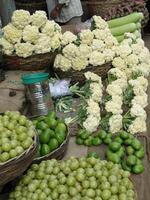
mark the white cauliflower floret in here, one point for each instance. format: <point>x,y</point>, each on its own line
<point>118,73</point>
<point>93,77</point>
<point>96,58</point>
<point>7,47</point>
<point>114,107</point>
<point>142,100</point>
<point>99,22</point>
<point>100,34</point>
<point>39,18</point>
<point>144,68</point>
<point>119,63</point>
<point>12,34</point>
<point>71,51</point>
<point>98,45</point>
<point>56,41</point>
<point>20,18</point>
<point>96,91</point>
<point>136,48</point>
<point>131,60</point>
<point>108,55</point>
<point>140,42</point>
<point>137,126</point>
<point>138,90</point>
<point>113,89</point>
<point>144,56</point>
<point>137,111</point>
<point>122,83</point>
<point>31,34</point>
<point>86,37</point>
<point>115,123</point>
<point>110,41</point>
<point>63,63</point>
<point>93,108</point>
<point>24,49</point>
<point>85,50</point>
<point>91,123</point>
<point>123,51</point>
<point>79,63</point>
<point>43,44</point>
<point>140,81</point>
<point>68,37</point>
<point>51,28</point>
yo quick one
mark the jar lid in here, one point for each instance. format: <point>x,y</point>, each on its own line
<point>34,78</point>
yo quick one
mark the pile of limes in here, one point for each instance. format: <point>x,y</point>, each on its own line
<point>75,179</point>
<point>16,135</point>
<point>52,133</point>
<point>127,150</point>
<point>86,138</point>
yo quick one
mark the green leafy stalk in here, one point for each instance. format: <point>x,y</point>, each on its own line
<point>105,122</point>
<point>135,75</point>
<point>111,78</point>
<point>127,120</point>
<point>128,95</point>
<point>64,104</point>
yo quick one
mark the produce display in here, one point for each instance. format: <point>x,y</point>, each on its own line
<point>52,133</point>
<point>83,178</point>
<point>88,48</point>
<point>127,24</point>
<point>16,135</point>
<point>28,35</point>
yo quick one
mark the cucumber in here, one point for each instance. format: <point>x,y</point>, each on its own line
<point>120,38</point>
<point>138,25</point>
<point>132,18</point>
<point>124,29</point>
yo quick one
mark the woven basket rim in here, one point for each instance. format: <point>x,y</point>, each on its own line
<point>34,55</point>
<point>55,150</point>
<point>13,160</point>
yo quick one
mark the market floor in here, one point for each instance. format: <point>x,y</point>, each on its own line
<point>142,182</point>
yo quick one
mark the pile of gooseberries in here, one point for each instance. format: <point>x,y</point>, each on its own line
<point>75,179</point>
<point>16,135</point>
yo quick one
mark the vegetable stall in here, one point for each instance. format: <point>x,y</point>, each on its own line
<point>93,110</point>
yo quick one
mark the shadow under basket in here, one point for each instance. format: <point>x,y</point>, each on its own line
<point>58,153</point>
<point>32,63</point>
<point>78,76</point>
<point>15,167</point>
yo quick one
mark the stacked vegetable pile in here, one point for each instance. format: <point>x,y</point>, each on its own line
<point>30,34</point>
<point>16,135</point>
<point>52,133</point>
<point>83,178</point>
<point>128,24</point>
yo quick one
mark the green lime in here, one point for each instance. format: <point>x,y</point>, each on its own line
<point>44,137</point>
<point>60,137</point>
<point>136,144</point>
<point>114,146</point>
<point>118,139</point>
<point>140,153</point>
<point>93,154</point>
<point>138,169</point>
<point>84,135</point>
<point>88,142</point>
<point>44,150</point>
<point>61,127</point>
<point>53,144</point>
<point>107,140</point>
<point>41,125</point>
<point>52,133</point>
<point>51,114</point>
<point>130,150</point>
<point>124,135</point>
<point>113,157</point>
<point>125,166</point>
<point>81,131</point>
<point>39,131</point>
<point>42,118</point>
<point>121,152</point>
<point>102,134</point>
<point>139,161</point>
<point>128,141</point>
<point>79,141</point>
<point>131,160</point>
<point>96,141</point>
<point>51,122</point>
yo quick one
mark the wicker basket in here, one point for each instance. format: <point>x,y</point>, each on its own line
<point>32,63</point>
<point>78,76</point>
<point>57,153</point>
<point>15,167</point>
<point>31,5</point>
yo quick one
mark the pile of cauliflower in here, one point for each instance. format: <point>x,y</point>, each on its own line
<point>93,117</point>
<point>93,48</point>
<point>30,34</point>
